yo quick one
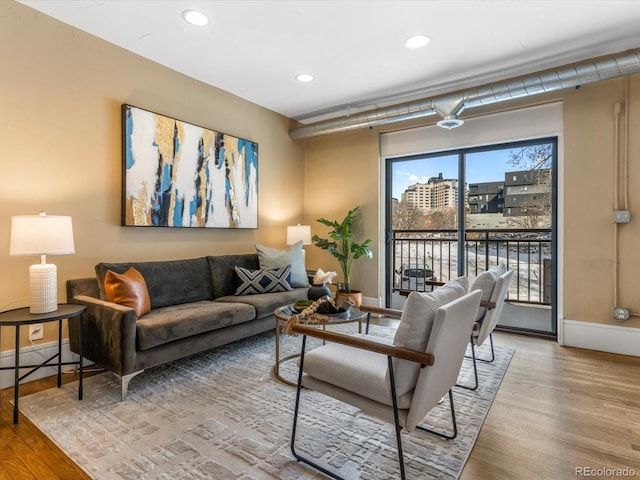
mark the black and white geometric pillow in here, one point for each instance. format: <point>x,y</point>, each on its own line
<point>263,281</point>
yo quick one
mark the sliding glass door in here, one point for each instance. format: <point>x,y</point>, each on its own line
<point>461,212</point>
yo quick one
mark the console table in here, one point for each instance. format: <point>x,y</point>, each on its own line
<point>21,316</point>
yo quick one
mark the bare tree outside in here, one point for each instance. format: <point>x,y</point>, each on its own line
<point>406,216</point>
<point>442,218</point>
<point>536,206</point>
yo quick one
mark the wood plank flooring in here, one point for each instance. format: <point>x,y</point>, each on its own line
<point>560,409</point>
<point>557,409</point>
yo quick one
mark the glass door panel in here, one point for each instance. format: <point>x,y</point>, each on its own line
<point>501,200</point>
<point>424,213</point>
<point>509,220</point>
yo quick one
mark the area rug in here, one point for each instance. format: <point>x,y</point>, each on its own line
<point>221,415</point>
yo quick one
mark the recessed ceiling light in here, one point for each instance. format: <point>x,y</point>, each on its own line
<point>417,41</point>
<point>304,77</point>
<point>195,18</point>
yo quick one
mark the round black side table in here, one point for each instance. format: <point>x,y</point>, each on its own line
<point>21,316</point>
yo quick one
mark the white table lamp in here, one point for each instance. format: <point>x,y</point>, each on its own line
<point>42,235</point>
<point>295,233</point>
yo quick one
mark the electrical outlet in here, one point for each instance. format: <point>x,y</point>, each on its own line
<point>36,331</point>
<point>621,313</point>
<point>621,216</point>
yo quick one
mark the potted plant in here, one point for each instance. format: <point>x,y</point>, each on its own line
<point>342,245</point>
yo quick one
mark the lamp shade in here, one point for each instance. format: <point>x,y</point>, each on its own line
<point>299,232</point>
<point>41,235</point>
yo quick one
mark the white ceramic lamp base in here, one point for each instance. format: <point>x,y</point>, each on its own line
<point>43,286</point>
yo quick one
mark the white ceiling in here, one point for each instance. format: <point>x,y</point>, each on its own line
<point>255,48</point>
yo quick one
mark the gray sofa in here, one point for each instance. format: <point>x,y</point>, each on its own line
<point>193,308</point>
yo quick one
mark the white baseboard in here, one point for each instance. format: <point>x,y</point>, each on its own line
<point>598,336</point>
<point>370,302</point>
<point>35,355</point>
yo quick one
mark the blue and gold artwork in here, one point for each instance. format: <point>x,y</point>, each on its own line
<point>182,175</point>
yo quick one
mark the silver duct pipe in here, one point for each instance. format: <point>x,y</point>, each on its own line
<point>450,106</point>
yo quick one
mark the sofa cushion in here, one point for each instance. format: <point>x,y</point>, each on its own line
<point>164,325</point>
<point>266,303</point>
<point>169,282</point>
<point>251,282</point>
<point>128,289</point>
<point>364,374</point>
<point>274,258</point>
<point>223,271</point>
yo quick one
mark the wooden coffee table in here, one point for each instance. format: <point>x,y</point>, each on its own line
<point>284,313</point>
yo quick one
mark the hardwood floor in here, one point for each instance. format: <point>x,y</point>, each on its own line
<point>25,453</point>
<point>557,409</point>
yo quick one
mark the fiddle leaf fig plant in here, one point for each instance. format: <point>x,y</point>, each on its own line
<point>342,245</point>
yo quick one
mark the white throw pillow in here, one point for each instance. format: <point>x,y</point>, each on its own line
<point>499,269</point>
<point>272,258</point>
<point>420,310</point>
<point>485,282</point>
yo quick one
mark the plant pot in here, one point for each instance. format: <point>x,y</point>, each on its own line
<point>354,297</point>
<point>318,290</point>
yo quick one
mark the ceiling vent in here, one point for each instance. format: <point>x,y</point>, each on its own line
<point>450,106</point>
<point>449,122</point>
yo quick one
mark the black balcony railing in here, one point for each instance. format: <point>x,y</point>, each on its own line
<point>421,256</point>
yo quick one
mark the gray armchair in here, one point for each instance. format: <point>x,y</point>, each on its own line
<point>399,381</point>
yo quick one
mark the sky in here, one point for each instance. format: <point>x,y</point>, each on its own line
<point>481,167</point>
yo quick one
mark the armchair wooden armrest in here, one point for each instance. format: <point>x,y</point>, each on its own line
<point>387,312</point>
<point>394,313</point>
<point>359,342</point>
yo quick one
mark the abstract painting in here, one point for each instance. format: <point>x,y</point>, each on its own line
<point>181,175</point>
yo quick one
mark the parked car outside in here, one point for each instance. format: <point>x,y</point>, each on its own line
<point>414,276</point>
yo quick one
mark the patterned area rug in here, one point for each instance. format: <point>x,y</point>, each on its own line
<point>221,415</point>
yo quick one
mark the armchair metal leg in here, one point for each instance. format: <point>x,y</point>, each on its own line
<point>297,456</point>
<point>396,418</point>
<point>476,359</point>
<point>394,401</point>
<point>475,369</point>
<point>453,420</point>
<point>493,353</point>
<point>398,428</point>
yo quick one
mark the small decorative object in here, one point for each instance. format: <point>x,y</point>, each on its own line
<point>342,246</point>
<point>324,277</point>
<point>319,288</point>
<point>300,305</point>
<point>319,312</point>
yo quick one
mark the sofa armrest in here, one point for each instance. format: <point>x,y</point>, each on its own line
<point>109,334</point>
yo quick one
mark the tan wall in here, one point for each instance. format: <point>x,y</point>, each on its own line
<point>342,173</point>
<point>589,202</point>
<point>60,97</point>
<point>349,161</point>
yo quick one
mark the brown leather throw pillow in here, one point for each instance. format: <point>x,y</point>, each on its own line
<point>128,289</point>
